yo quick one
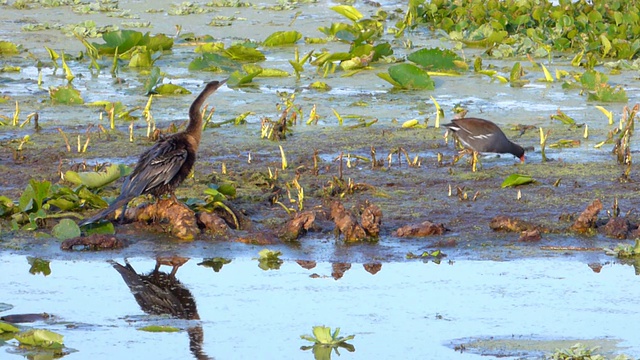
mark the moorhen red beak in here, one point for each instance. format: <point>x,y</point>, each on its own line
<point>483,136</point>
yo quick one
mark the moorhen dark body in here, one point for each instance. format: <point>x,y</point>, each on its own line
<point>483,136</point>
<point>166,164</point>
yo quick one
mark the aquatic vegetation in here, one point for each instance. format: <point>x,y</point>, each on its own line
<point>436,59</point>
<point>516,180</point>
<point>40,338</point>
<point>7,48</point>
<point>269,259</point>
<point>622,148</point>
<point>187,8</point>
<point>7,328</point>
<point>624,250</point>
<point>215,197</point>
<point>361,34</point>
<point>325,342</point>
<point>39,266</point>
<point>41,201</point>
<point>65,95</point>
<point>215,263</point>
<point>520,28</point>
<point>409,77</point>
<point>159,328</point>
<point>580,351</point>
<point>66,229</point>
<point>280,38</point>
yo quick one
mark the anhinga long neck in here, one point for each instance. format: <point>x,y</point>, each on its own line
<point>195,114</point>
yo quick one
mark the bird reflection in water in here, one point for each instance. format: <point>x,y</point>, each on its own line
<point>159,293</point>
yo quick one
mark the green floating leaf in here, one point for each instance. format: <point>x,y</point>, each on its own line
<point>516,179</point>
<point>251,68</point>
<point>348,11</point>
<point>40,338</point>
<point>65,229</point>
<point>8,48</point>
<point>124,40</point>
<point>515,78</point>
<point>320,86</point>
<point>238,79</point>
<point>90,199</point>
<point>243,53</point>
<point>606,93</point>
<point>34,195</point>
<point>65,95</point>
<point>7,328</point>
<point>100,228</point>
<point>227,190</point>
<point>159,328</point>
<point>409,76</point>
<point>211,47</point>
<point>171,89</point>
<point>94,180</point>
<point>141,57</point>
<point>280,38</point>
<point>437,60</point>
<point>153,80</point>
<point>213,62</point>
<point>39,266</point>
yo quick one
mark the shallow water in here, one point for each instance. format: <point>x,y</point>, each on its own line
<point>406,309</point>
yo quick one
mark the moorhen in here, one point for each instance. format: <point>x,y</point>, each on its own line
<point>483,136</point>
<point>166,164</point>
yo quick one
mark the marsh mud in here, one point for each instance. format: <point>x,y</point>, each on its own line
<point>493,288</point>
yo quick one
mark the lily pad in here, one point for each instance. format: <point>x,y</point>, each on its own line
<point>408,76</point>
<point>280,38</point>
<point>40,338</point>
<point>213,62</point>
<point>65,229</point>
<point>123,40</point>
<point>348,11</point>
<point>66,95</point>
<point>6,327</point>
<point>210,47</point>
<point>244,53</point>
<point>251,68</point>
<point>141,57</point>
<point>8,48</point>
<point>516,179</point>
<point>438,60</point>
<point>94,180</point>
<point>100,228</point>
<point>238,79</point>
<point>171,89</point>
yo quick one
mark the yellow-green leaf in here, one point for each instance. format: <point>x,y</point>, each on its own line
<point>516,179</point>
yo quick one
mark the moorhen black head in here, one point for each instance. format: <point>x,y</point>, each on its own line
<point>483,136</point>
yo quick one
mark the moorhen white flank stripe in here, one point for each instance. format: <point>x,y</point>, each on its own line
<point>483,136</point>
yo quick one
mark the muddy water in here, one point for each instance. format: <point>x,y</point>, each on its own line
<point>406,310</point>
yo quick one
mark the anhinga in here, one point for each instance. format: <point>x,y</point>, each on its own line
<point>166,164</point>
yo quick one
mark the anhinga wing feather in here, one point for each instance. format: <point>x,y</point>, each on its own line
<point>156,167</point>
